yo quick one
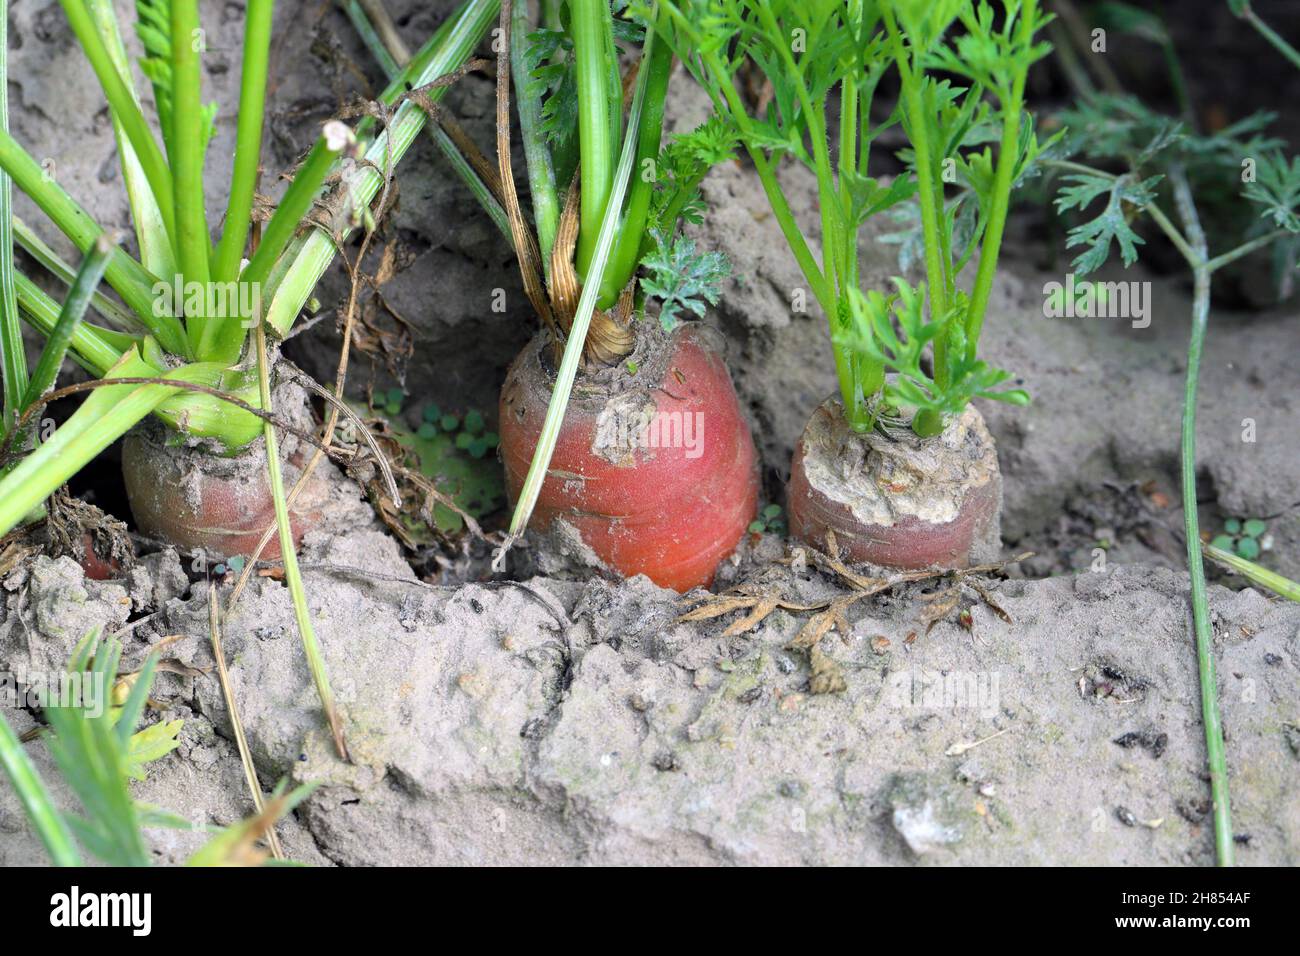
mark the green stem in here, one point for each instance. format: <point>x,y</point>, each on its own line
<point>186,144</point>
<point>1073,167</point>
<point>291,210</point>
<point>918,129</point>
<point>248,140</point>
<point>1232,255</point>
<point>538,468</point>
<point>1173,234</point>
<point>289,557</point>
<point>632,233</point>
<point>370,37</point>
<point>1223,839</point>
<point>992,242</point>
<point>592,45</point>
<point>391,66</point>
<point>541,169</point>
<point>848,161</point>
<point>868,373</point>
<point>823,289</point>
<point>672,210</point>
<point>92,348</point>
<point>201,415</point>
<point>13,357</point>
<point>866,95</point>
<point>1267,32</point>
<point>551,14</point>
<point>1256,573</point>
<point>124,110</point>
<point>728,99</point>
<point>35,247</point>
<point>1210,718</point>
<point>814,117</point>
<point>224,338</point>
<point>155,244</point>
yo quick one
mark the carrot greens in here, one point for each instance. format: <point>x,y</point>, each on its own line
<point>961,68</point>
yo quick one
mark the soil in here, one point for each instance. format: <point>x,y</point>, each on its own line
<point>1051,716</point>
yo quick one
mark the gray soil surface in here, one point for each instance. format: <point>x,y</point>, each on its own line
<point>562,722</point>
<point>574,720</point>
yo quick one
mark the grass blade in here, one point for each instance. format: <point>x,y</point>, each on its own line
<point>13,359</point>
<point>1256,573</point>
<point>74,309</point>
<point>248,139</point>
<point>35,247</point>
<point>537,469</point>
<point>186,154</point>
<point>292,576</point>
<point>45,819</point>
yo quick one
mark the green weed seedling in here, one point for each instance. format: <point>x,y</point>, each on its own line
<point>453,451</point>
<point>1243,538</point>
<point>770,520</point>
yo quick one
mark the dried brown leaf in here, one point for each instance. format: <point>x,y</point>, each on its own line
<point>813,631</point>
<point>987,598</point>
<point>716,607</point>
<point>751,620</point>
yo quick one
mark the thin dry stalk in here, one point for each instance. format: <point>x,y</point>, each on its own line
<point>245,756</point>
<point>388,34</point>
<point>528,253</point>
<point>340,379</point>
